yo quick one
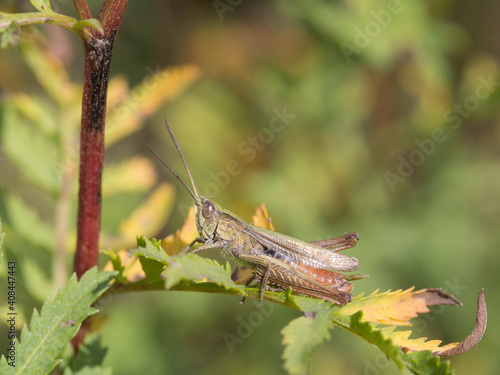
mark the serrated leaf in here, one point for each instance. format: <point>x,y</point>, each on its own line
<point>424,363</point>
<point>91,22</point>
<point>152,269</point>
<point>129,268</point>
<point>398,307</point>
<point>402,339</point>
<point>41,5</point>
<point>151,250</point>
<point>367,331</point>
<point>301,336</point>
<point>89,359</point>
<point>192,267</point>
<point>48,333</point>
<point>394,343</point>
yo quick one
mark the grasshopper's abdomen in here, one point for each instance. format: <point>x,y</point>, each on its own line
<point>324,277</point>
<point>321,276</point>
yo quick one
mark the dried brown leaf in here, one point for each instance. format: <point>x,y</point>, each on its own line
<point>477,333</point>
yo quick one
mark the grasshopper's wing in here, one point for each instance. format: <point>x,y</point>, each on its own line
<point>283,275</point>
<point>301,252</point>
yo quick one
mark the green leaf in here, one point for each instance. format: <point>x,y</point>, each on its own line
<point>50,332</point>
<point>2,234</point>
<point>89,359</point>
<point>376,337</point>
<point>424,363</point>
<point>36,282</point>
<point>33,155</point>
<point>92,22</point>
<point>11,33</point>
<point>151,250</point>
<point>152,257</point>
<point>52,75</point>
<point>37,111</point>
<point>41,5</point>
<point>152,268</point>
<point>301,336</point>
<point>25,222</point>
<point>117,264</point>
<point>192,267</point>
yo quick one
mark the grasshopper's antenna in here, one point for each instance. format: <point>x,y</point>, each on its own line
<point>195,194</point>
<point>182,156</point>
<point>172,170</point>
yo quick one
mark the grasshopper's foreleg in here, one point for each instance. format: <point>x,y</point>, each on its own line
<point>199,249</point>
<point>188,247</point>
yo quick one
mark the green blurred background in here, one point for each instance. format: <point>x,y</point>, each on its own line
<point>392,132</point>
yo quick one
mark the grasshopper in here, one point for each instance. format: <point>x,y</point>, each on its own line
<point>285,262</point>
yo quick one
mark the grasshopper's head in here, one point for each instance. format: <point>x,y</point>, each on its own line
<point>207,214</point>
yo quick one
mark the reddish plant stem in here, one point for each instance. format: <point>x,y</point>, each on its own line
<point>83,9</point>
<point>97,55</point>
<point>111,14</point>
<point>97,62</point>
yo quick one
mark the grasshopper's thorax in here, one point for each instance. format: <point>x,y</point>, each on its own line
<point>208,215</point>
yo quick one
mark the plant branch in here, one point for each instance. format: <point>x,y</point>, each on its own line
<point>96,76</point>
<point>111,14</point>
<point>33,18</point>
<point>83,9</point>
<point>97,55</point>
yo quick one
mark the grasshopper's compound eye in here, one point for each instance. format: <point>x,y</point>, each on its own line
<point>208,209</point>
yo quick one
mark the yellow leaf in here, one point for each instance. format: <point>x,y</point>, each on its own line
<point>392,308</point>
<point>173,244</point>
<point>402,339</point>
<point>136,174</point>
<point>49,71</point>
<point>397,308</point>
<point>149,218</point>
<point>117,90</point>
<point>261,218</point>
<point>132,267</point>
<point>157,87</point>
